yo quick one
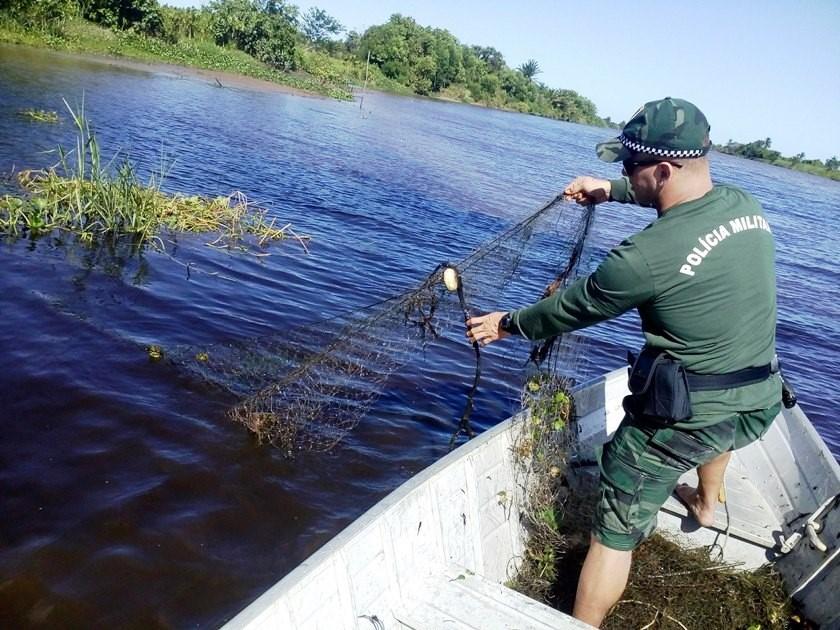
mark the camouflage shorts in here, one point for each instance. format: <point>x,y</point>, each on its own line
<point>641,465</point>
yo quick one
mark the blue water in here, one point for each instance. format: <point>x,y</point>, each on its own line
<point>126,497</point>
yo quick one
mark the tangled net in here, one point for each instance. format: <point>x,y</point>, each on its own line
<point>305,389</point>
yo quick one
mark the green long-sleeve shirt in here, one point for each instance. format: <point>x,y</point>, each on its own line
<point>703,280</point>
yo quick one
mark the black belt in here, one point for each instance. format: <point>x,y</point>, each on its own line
<point>739,378</point>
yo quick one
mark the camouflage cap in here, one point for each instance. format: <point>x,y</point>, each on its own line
<point>669,128</point>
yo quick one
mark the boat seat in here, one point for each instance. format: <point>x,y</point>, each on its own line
<point>458,599</point>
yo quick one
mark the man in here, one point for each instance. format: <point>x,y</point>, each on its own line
<point>702,278</point>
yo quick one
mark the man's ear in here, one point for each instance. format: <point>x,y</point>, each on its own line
<point>663,171</point>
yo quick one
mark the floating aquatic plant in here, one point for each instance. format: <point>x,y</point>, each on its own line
<point>39,115</point>
<point>85,196</point>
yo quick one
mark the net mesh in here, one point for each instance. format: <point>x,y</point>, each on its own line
<point>306,388</point>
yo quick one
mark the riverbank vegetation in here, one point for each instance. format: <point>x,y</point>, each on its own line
<point>71,32</point>
<point>760,150</point>
<point>273,41</point>
<point>87,197</point>
<point>270,39</point>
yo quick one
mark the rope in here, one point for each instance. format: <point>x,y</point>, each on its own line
<point>464,427</point>
<point>721,548</point>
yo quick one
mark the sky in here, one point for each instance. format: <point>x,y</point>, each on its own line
<point>767,68</point>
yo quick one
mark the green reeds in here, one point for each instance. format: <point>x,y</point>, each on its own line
<point>88,198</point>
<point>39,115</point>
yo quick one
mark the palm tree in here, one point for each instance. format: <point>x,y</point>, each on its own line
<point>530,69</point>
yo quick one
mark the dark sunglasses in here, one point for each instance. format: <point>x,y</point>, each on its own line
<point>629,166</point>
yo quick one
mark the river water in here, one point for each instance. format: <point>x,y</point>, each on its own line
<point>126,497</point>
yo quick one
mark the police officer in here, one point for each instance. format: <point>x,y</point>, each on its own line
<point>702,278</point>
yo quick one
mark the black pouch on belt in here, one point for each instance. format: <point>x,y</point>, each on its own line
<point>659,388</point>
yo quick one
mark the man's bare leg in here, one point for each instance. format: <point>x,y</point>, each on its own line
<point>702,501</point>
<point>602,581</point>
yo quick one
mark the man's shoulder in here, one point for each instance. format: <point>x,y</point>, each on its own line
<point>734,194</point>
<point>729,188</point>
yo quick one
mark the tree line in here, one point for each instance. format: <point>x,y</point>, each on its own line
<point>431,60</point>
<point>762,150</point>
<point>420,59</point>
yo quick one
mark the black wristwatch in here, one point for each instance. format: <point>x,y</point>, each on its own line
<point>508,326</point>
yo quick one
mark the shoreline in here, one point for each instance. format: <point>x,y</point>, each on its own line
<point>234,80</point>
<point>222,78</point>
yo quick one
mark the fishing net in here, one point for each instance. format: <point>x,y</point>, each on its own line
<point>306,388</point>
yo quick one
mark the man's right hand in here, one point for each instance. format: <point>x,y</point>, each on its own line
<point>588,190</point>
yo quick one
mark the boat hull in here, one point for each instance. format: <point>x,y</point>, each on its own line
<point>460,517</point>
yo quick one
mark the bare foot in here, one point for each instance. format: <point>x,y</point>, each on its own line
<point>704,514</point>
